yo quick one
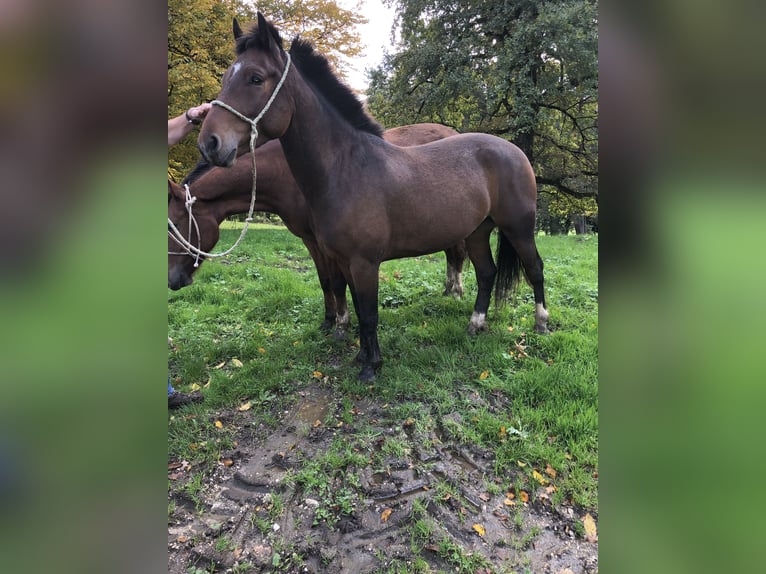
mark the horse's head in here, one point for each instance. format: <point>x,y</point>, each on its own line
<point>258,72</point>
<point>202,235</point>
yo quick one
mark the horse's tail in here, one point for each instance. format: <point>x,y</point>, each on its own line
<point>508,269</point>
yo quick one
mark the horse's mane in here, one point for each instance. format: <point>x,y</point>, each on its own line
<point>318,71</point>
<point>201,168</point>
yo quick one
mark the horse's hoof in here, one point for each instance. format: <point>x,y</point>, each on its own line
<point>367,374</point>
<point>340,334</point>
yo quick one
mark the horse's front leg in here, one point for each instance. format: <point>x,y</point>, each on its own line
<point>365,293</point>
<point>326,273</point>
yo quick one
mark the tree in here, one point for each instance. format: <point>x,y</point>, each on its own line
<point>201,47</point>
<point>520,69</point>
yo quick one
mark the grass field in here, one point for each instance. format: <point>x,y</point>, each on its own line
<point>246,331</point>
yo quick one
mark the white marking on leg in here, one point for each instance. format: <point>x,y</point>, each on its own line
<point>343,320</point>
<point>478,323</point>
<point>541,318</point>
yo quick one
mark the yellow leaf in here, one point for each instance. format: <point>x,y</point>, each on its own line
<point>591,534</point>
<point>227,462</point>
<point>510,495</point>
<point>479,529</point>
<point>510,328</point>
<point>521,464</point>
<point>509,502</point>
<point>502,433</point>
<point>218,424</point>
<point>539,478</point>
<point>207,385</point>
<point>523,496</point>
<point>484,375</point>
<point>261,350</point>
<point>317,374</point>
<point>220,365</point>
<point>568,456</point>
<point>550,471</point>
<point>236,362</point>
<point>245,407</point>
<point>195,387</point>
<point>317,423</point>
<point>385,514</point>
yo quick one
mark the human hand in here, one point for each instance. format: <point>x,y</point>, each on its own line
<point>196,114</point>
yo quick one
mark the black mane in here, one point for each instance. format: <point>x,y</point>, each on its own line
<point>316,69</point>
<point>201,168</point>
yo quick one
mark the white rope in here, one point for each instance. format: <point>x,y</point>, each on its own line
<point>175,234</point>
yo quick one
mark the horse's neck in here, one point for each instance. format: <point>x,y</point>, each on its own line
<point>232,188</point>
<point>316,137</point>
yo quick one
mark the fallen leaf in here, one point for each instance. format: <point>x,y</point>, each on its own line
<point>245,407</point>
<point>317,423</point>
<point>510,328</point>
<point>182,539</point>
<point>523,496</point>
<point>485,496</point>
<point>317,374</point>
<point>218,424</point>
<point>550,471</point>
<point>385,514</point>
<point>509,502</point>
<point>510,495</point>
<point>175,475</point>
<point>262,351</point>
<point>591,534</point>
<point>521,464</point>
<point>236,362</point>
<point>568,456</point>
<point>479,529</point>
<point>227,462</point>
<point>483,375</point>
<point>220,365</point>
<point>195,387</point>
<point>539,478</point>
<point>502,433</point>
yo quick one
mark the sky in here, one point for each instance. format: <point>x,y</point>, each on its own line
<point>376,37</point>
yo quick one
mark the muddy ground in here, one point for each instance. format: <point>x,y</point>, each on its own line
<point>231,525</point>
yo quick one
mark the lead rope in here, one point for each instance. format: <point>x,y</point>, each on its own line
<point>173,231</point>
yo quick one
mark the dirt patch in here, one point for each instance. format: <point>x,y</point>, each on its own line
<point>433,504</point>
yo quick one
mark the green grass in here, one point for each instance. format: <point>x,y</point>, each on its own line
<point>532,399</point>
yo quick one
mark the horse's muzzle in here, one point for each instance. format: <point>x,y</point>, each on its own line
<point>213,152</point>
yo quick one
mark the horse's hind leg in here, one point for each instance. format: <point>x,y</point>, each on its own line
<point>453,284</point>
<point>480,253</point>
<point>533,268</point>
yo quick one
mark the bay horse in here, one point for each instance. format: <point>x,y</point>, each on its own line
<point>221,192</point>
<point>372,201</point>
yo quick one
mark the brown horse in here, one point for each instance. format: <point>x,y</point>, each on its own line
<point>221,192</point>
<point>372,201</point>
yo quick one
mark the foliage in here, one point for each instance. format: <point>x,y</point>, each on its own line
<point>519,69</point>
<point>201,47</point>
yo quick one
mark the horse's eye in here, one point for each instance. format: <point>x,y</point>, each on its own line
<point>257,80</point>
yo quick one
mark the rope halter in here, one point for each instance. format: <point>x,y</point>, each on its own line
<point>174,233</point>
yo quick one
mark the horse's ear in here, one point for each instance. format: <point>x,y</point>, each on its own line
<point>263,31</point>
<point>268,35</point>
<point>175,190</point>
<point>237,29</point>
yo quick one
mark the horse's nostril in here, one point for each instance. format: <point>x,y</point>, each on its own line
<point>213,143</point>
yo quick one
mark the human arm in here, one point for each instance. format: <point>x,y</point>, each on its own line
<point>180,126</point>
